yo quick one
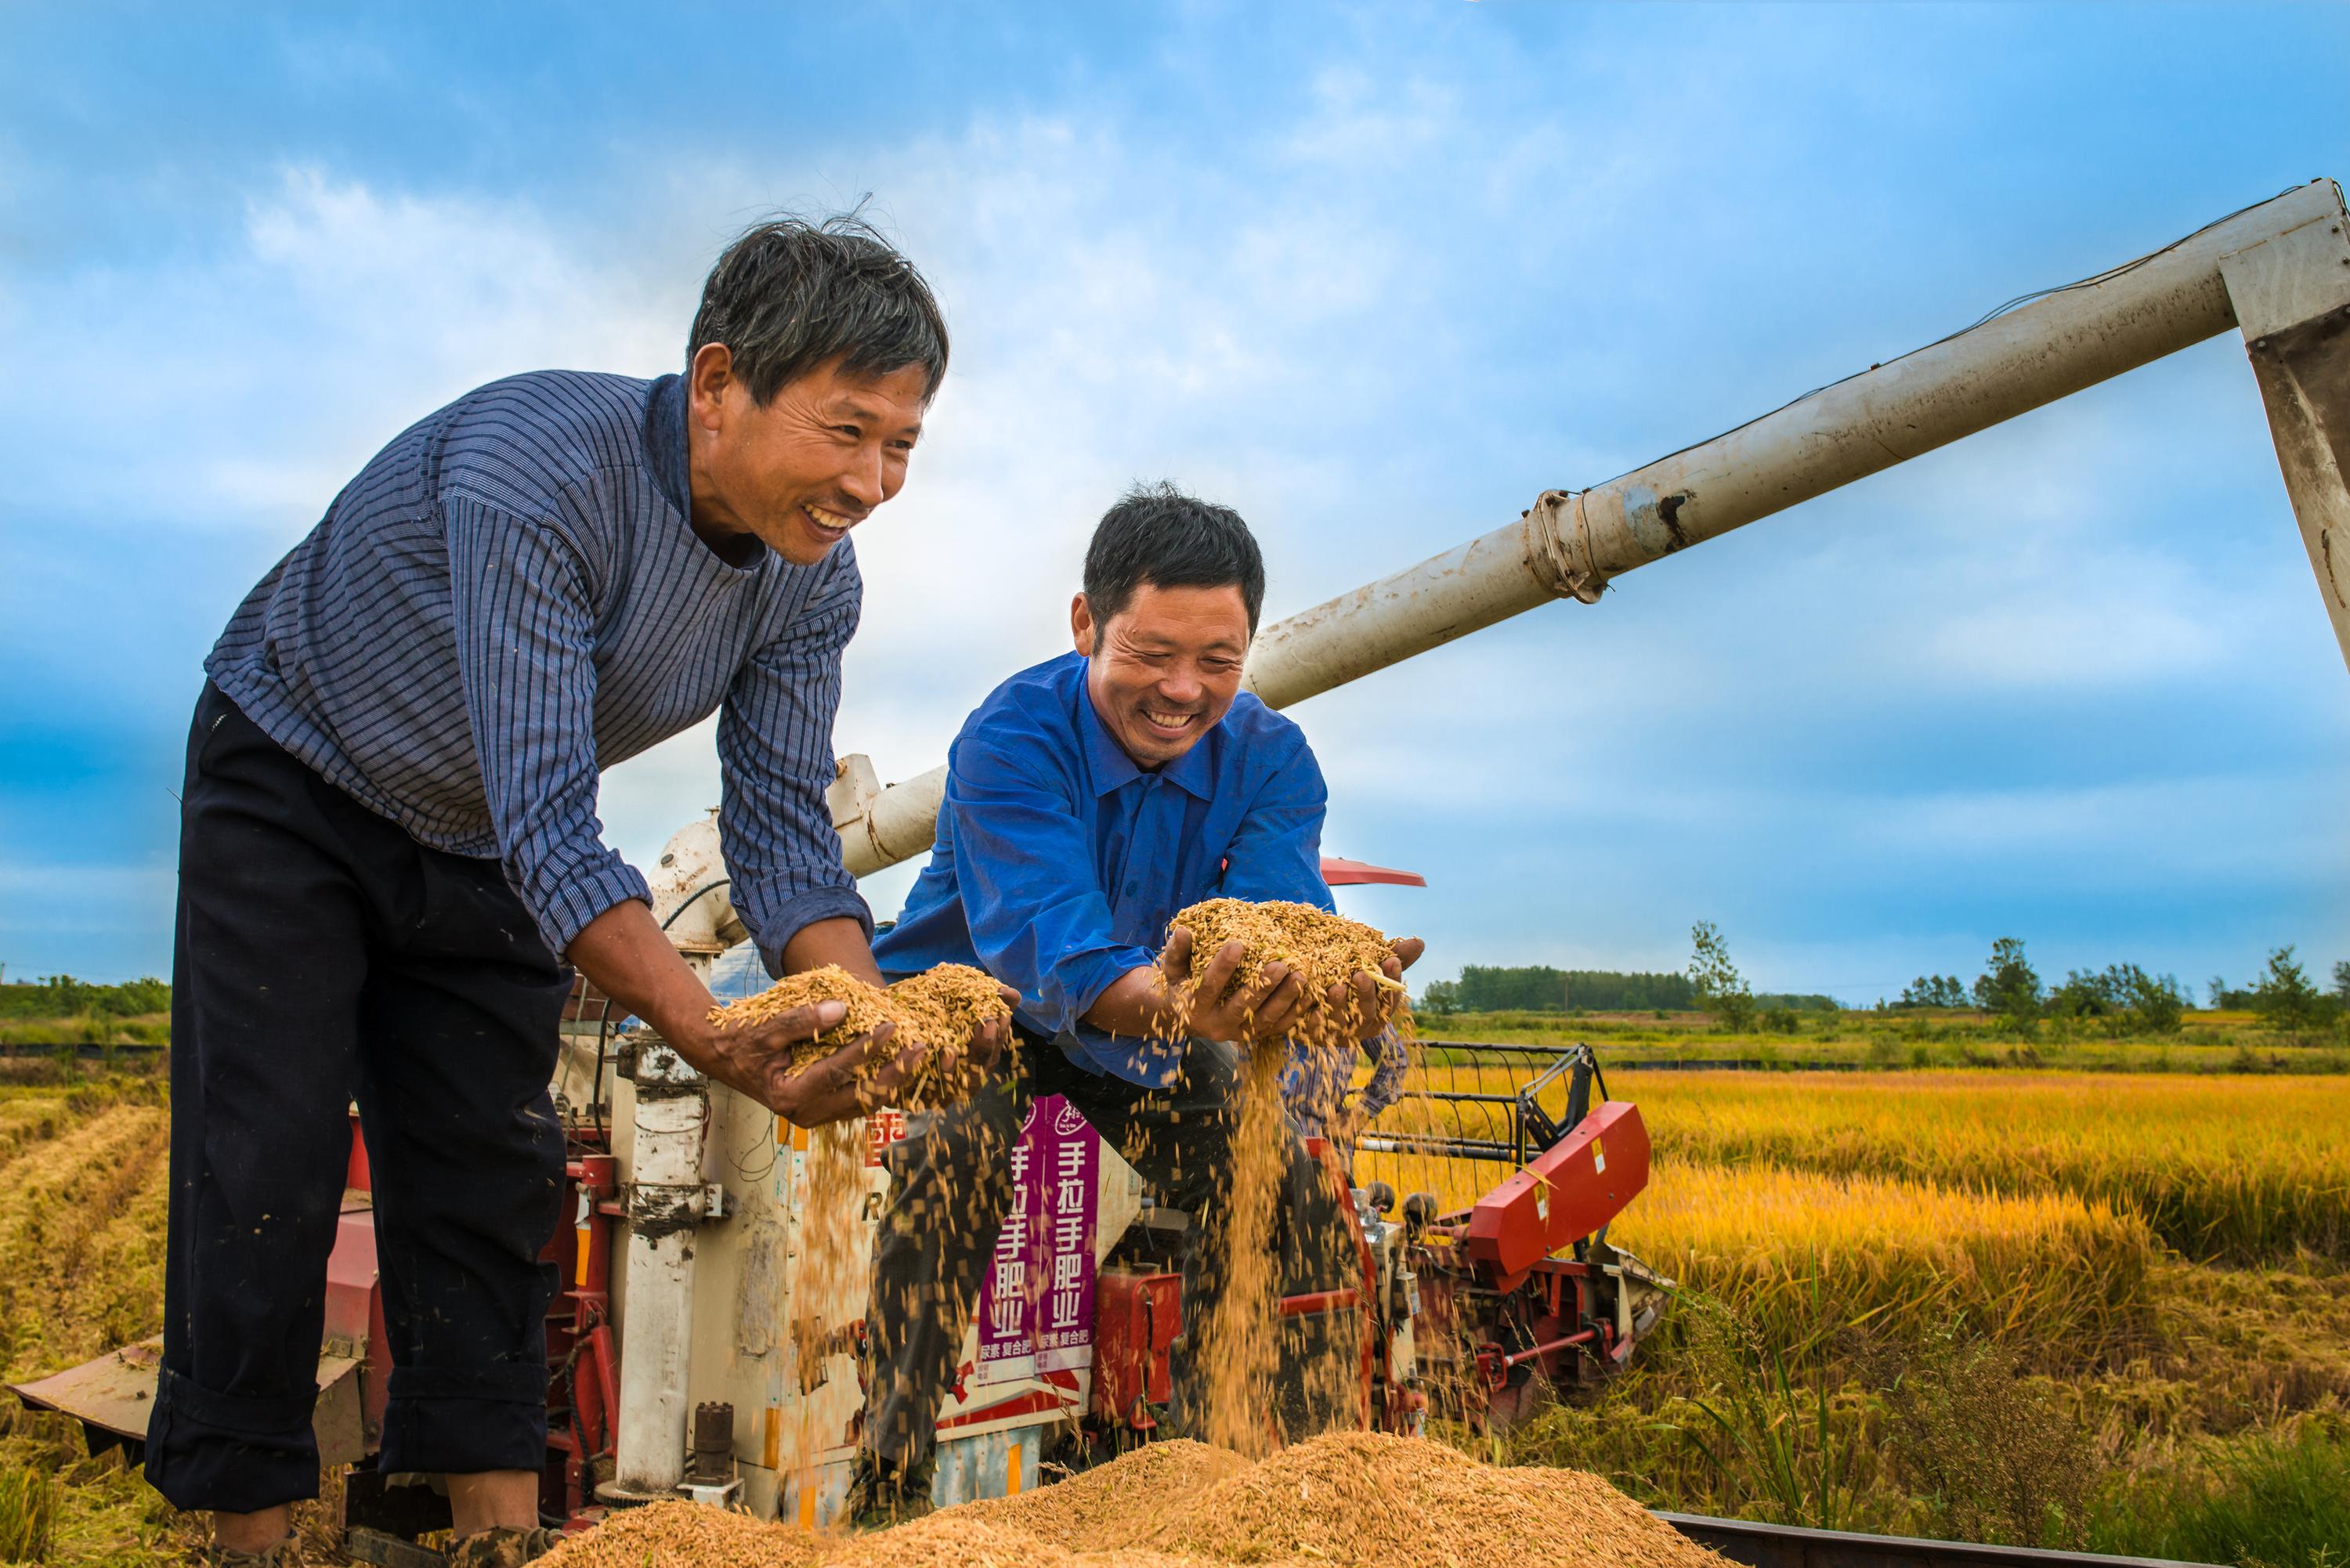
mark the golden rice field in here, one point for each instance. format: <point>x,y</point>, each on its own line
<point>2232,1168</point>
<point>2030,1207</point>
<point>82,1192</point>
<point>2121,1271</point>
<point>2235,1169</point>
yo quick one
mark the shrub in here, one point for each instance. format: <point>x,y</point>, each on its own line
<point>2285,1000</point>
<point>2281,1501</point>
<point>1720,988</point>
<point>1999,1457</point>
<point>2009,985</point>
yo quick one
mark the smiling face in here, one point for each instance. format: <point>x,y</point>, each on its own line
<point>1166,667</point>
<point>799,473</point>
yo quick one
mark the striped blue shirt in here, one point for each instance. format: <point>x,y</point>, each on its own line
<point>508,600</point>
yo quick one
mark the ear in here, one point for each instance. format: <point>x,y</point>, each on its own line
<point>1081,625</point>
<point>707,379</point>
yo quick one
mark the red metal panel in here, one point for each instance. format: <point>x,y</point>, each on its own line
<point>355,1311</point>
<point>1135,1317</point>
<point>1340,873</point>
<point>355,1173</point>
<point>351,1280</point>
<point>1567,1192</point>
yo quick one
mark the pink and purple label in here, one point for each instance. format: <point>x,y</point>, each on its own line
<point>1036,1303</point>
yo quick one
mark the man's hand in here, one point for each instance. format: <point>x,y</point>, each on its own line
<point>756,1060</point>
<point>1257,1015</point>
<point>956,1073</point>
<point>1375,1004</point>
<point>624,953</point>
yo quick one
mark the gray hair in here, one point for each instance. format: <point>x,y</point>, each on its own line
<point>791,295</point>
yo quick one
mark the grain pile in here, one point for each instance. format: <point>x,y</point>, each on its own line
<point>1357,1500</point>
<point>942,1007</point>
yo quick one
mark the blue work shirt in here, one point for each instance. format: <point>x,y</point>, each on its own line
<point>1058,861</point>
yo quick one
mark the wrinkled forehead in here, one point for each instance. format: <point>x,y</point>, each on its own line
<point>1198,619</point>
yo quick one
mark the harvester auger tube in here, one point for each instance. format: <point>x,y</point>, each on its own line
<point>2279,270</point>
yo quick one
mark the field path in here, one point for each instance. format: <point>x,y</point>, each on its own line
<point>81,1220</point>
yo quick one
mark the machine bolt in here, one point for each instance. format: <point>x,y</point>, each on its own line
<point>713,1443</point>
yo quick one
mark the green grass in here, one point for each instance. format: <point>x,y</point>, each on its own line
<point>2278,1500</point>
<point>98,1028</point>
<point>28,1514</point>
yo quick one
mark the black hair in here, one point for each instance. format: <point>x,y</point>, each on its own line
<point>791,294</point>
<point>1159,536</point>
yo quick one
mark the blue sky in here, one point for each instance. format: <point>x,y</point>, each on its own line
<point>1375,276</point>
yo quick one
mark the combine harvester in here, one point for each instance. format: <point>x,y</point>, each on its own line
<point>691,1360</point>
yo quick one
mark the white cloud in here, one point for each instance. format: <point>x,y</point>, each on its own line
<point>1379,324</point>
<point>244,389</point>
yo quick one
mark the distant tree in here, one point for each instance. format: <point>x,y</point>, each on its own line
<point>1934,991</point>
<point>2342,981</point>
<point>62,995</point>
<point>2134,1000</point>
<point>1720,988</point>
<point>2009,986</point>
<point>2160,1004</point>
<point>2284,999</point>
<point>2084,994</point>
<point>1439,996</point>
<point>2152,1004</point>
<point>2216,993</point>
<point>1538,988</point>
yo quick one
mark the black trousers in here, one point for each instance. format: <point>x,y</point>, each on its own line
<point>324,955</point>
<point>950,1187</point>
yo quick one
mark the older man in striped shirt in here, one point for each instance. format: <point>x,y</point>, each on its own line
<point>390,850</point>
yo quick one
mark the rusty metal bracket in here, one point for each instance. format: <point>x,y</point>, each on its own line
<point>1558,541</point>
<point>2290,294</point>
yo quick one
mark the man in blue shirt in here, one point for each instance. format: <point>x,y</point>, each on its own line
<point>390,850</point>
<point>1087,800</point>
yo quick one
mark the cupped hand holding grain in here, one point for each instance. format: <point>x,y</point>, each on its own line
<point>1352,974</point>
<point>926,1041</point>
<point>1219,1009</point>
<point>869,1070</point>
<point>1370,1000</point>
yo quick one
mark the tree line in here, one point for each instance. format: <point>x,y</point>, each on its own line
<point>2132,999</point>
<point>2284,996</point>
<point>63,996</point>
<point>1539,987</point>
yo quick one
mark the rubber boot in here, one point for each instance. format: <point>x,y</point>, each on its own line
<point>281,1556</point>
<point>502,1548</point>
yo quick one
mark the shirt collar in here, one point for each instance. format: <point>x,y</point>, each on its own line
<point>1194,772</point>
<point>665,442</point>
<point>665,455</point>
